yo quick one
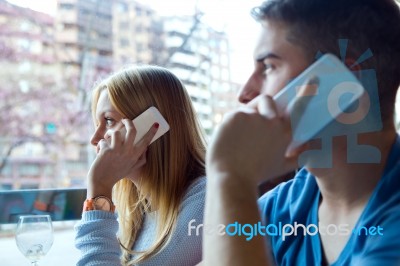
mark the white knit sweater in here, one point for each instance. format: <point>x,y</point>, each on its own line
<point>97,241</point>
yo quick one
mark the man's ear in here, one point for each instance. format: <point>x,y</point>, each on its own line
<point>354,67</point>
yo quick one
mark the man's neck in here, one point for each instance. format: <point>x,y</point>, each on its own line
<point>346,187</point>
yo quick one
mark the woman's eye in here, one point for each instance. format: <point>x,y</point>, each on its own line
<point>109,122</point>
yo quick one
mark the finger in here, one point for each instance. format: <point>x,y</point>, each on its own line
<point>143,156</point>
<point>291,163</point>
<point>253,104</point>
<point>142,160</point>
<point>310,88</point>
<point>108,134</point>
<point>292,156</point>
<point>246,109</point>
<point>107,137</point>
<point>116,139</point>
<point>102,144</point>
<point>295,152</point>
<point>119,131</point>
<point>146,140</point>
<point>130,130</point>
<point>267,107</point>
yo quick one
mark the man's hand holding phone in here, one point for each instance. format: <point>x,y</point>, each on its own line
<point>265,140</point>
<point>317,97</point>
<point>250,145</point>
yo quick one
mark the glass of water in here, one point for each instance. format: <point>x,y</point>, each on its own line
<point>34,236</point>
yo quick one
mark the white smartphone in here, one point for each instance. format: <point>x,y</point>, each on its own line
<point>327,89</point>
<point>145,121</point>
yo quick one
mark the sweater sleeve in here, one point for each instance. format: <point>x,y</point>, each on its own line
<point>96,239</point>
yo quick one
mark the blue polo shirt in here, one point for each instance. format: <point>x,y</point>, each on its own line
<point>375,239</point>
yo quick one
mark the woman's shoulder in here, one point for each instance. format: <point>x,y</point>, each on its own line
<point>197,186</point>
<point>195,193</point>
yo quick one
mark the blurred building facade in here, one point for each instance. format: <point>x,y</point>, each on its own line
<point>86,40</point>
<point>189,58</point>
<point>84,43</point>
<point>138,35</point>
<point>27,58</point>
<point>83,34</point>
<point>199,56</point>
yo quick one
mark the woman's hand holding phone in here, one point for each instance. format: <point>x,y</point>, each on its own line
<point>118,157</point>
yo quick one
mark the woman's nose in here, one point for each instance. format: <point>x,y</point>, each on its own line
<point>97,136</point>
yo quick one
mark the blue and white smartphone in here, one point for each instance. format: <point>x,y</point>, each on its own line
<point>317,97</point>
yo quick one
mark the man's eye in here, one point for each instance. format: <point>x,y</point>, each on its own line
<point>268,67</point>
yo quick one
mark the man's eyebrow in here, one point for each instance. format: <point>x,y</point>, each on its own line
<point>268,55</point>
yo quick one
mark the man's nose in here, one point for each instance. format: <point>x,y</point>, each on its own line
<point>249,91</point>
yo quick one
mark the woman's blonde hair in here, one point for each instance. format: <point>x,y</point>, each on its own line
<point>173,162</point>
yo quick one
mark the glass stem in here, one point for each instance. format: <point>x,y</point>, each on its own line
<point>34,263</point>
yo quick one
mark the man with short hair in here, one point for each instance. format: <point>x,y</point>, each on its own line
<point>359,190</point>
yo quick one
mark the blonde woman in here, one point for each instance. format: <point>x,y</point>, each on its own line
<point>158,189</point>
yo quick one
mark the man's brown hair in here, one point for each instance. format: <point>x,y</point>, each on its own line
<point>317,25</point>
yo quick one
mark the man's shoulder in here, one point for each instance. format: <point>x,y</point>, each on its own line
<point>378,238</point>
<point>288,196</point>
<point>295,185</point>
